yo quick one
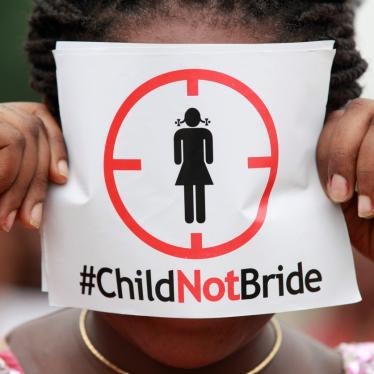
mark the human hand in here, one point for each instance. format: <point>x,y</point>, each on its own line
<point>32,153</point>
<point>345,157</point>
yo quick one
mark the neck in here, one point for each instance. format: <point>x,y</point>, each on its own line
<point>110,337</point>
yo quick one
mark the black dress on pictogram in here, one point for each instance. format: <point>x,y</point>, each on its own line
<point>193,148</point>
<point>196,142</point>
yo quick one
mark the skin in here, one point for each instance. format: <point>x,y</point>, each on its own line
<point>163,345</point>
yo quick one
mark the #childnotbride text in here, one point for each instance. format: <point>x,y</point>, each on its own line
<point>180,287</point>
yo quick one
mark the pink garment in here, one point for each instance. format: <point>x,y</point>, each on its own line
<point>357,359</point>
<point>9,364</point>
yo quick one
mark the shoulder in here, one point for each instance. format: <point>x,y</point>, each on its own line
<point>347,358</point>
<point>308,355</point>
<point>203,130</point>
<point>182,131</point>
<point>41,330</point>
<point>358,358</point>
<point>36,343</point>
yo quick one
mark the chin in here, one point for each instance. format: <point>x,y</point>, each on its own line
<point>191,343</point>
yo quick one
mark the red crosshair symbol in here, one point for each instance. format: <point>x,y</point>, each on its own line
<point>196,250</point>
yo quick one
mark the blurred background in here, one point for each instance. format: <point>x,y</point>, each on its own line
<point>20,295</point>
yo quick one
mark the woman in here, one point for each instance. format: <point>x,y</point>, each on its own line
<point>107,343</point>
<point>192,148</point>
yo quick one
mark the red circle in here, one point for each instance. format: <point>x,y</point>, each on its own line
<point>189,75</point>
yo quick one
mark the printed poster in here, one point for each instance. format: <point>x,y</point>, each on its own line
<point>193,189</point>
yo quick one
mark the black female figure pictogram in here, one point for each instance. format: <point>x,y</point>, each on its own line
<point>193,148</point>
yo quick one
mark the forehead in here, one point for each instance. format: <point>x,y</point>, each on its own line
<point>191,26</point>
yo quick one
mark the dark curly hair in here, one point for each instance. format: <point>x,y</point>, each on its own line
<point>301,20</point>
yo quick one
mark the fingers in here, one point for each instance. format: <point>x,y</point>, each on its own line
<point>365,175</point>
<point>58,171</point>
<point>31,150</point>
<point>12,145</point>
<point>31,211</point>
<point>339,149</point>
<point>323,148</point>
<point>12,198</point>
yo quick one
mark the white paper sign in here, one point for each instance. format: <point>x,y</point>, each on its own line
<point>193,189</point>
